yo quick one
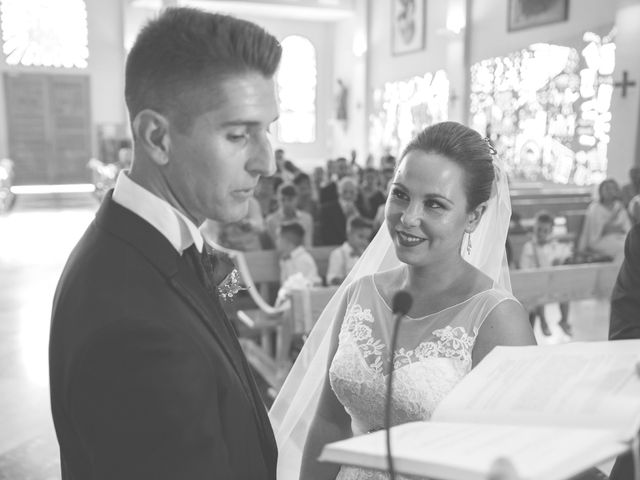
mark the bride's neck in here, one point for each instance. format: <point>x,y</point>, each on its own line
<point>434,279</point>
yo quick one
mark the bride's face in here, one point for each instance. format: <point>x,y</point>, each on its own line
<point>426,211</point>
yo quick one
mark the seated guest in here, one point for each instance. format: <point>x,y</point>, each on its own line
<point>343,258</point>
<point>306,196</point>
<point>284,167</point>
<point>334,215</point>
<point>632,188</point>
<point>371,196</point>
<point>606,223</point>
<point>634,209</point>
<point>319,179</point>
<point>337,171</point>
<point>265,193</point>
<point>289,213</point>
<point>544,251</point>
<point>388,168</point>
<point>245,235</point>
<point>294,258</point>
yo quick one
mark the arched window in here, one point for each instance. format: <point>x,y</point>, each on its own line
<point>297,80</point>
<point>50,33</point>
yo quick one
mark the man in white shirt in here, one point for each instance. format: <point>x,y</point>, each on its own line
<point>343,258</point>
<point>148,380</point>
<point>294,258</point>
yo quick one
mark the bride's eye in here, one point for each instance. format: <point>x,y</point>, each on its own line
<point>433,204</point>
<point>399,194</point>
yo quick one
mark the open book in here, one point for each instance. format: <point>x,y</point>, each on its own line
<point>552,411</point>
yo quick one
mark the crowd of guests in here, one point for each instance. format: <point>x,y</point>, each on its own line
<point>342,205</point>
<point>292,211</point>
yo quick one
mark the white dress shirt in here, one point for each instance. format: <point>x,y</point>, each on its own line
<point>341,261</point>
<point>299,261</point>
<point>171,223</point>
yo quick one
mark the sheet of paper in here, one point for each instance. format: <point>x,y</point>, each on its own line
<point>580,385</point>
<point>466,451</point>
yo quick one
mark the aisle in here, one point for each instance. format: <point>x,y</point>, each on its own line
<point>35,241</point>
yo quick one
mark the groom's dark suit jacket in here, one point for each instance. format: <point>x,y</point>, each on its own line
<point>148,380</point>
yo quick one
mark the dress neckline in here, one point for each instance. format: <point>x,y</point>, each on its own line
<point>386,304</point>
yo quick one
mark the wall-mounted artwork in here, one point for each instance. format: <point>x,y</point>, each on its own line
<point>533,13</point>
<point>408,18</point>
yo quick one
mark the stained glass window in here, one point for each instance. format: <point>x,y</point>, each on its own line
<point>547,108</point>
<point>297,80</point>
<point>50,33</point>
<point>402,109</point>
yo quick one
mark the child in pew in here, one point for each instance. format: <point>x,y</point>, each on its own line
<point>298,269</point>
<point>544,251</point>
<point>343,258</point>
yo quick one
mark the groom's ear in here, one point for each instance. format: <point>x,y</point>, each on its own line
<point>474,216</point>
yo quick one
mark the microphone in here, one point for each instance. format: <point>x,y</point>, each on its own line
<point>401,304</point>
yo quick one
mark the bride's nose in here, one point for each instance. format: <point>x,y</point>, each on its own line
<point>411,216</point>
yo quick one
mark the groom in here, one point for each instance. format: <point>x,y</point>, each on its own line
<point>147,377</point>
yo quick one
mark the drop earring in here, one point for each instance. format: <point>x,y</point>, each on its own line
<point>469,244</point>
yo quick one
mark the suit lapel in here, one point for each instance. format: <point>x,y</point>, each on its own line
<point>185,283</point>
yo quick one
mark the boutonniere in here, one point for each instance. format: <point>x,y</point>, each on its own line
<point>226,276</point>
<point>230,286</point>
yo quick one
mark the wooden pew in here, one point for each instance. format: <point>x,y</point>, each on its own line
<point>531,287</point>
<point>563,283</point>
<point>264,268</point>
<point>260,271</point>
<point>530,199</point>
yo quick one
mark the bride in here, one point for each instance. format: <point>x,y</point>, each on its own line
<point>446,223</point>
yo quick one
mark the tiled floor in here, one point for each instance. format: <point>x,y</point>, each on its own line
<point>34,243</point>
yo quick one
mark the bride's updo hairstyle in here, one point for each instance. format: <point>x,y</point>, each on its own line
<point>465,147</point>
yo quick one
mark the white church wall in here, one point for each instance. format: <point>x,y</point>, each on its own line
<point>105,69</point>
<point>350,67</point>
<point>385,67</point>
<point>106,64</point>
<point>490,36</point>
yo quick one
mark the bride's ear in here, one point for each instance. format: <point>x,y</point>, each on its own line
<point>473,217</point>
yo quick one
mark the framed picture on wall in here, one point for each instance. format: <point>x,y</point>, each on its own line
<point>533,13</point>
<point>408,18</point>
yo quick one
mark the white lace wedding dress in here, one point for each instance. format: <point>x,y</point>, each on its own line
<point>433,354</point>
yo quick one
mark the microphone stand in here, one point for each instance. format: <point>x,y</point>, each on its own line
<point>387,413</point>
<point>401,305</point>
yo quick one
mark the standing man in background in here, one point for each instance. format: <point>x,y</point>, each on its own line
<point>148,380</point>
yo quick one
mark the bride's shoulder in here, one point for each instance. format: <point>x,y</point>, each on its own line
<point>388,280</point>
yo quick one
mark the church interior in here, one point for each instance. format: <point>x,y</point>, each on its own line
<point>553,85</point>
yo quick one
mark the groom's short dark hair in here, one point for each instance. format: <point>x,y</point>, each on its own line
<point>185,51</point>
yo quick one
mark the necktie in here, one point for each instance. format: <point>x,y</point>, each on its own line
<point>202,265</point>
<point>211,268</point>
